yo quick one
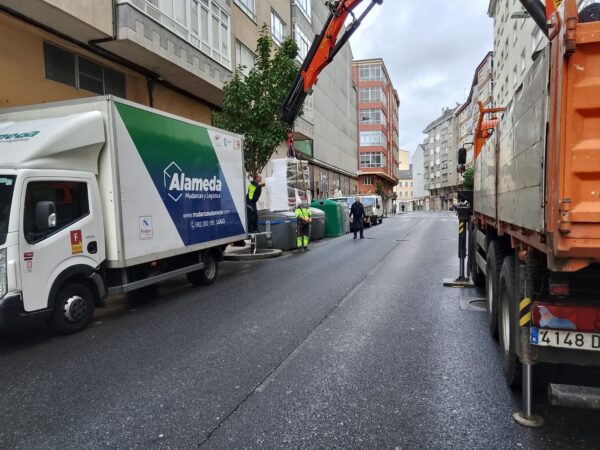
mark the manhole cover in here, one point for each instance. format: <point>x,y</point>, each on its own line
<point>473,304</point>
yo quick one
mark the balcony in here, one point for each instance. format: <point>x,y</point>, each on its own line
<point>183,47</point>
<point>84,21</point>
<point>303,129</point>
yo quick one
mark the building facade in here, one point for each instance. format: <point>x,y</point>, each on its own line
<point>516,38</point>
<point>326,133</point>
<point>467,115</point>
<point>403,190</point>
<point>332,108</point>
<point>172,55</point>
<point>420,194</point>
<point>378,104</point>
<point>440,148</point>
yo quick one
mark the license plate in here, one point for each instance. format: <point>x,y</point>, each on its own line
<point>565,339</point>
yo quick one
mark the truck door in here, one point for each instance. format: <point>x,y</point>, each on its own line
<point>73,240</point>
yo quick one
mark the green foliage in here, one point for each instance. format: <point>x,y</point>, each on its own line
<point>251,104</point>
<point>379,188</point>
<point>468,178</point>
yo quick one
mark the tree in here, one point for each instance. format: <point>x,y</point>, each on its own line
<point>379,188</point>
<point>468,178</point>
<point>252,103</point>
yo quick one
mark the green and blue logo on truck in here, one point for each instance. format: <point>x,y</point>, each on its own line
<point>186,172</point>
<point>13,137</point>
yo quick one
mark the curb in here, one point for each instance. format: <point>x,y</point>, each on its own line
<point>244,255</point>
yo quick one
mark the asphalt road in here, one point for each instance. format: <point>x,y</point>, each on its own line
<point>355,344</point>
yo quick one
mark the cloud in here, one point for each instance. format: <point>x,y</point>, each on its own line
<point>431,49</point>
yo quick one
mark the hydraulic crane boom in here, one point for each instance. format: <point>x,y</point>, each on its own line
<point>324,48</point>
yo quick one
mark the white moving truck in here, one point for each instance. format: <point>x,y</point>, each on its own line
<point>102,196</point>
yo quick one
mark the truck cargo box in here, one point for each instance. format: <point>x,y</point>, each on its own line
<point>168,185</point>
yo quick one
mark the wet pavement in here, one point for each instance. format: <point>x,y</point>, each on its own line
<point>355,344</point>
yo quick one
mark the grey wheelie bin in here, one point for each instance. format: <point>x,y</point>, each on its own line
<point>283,228</point>
<point>317,227</point>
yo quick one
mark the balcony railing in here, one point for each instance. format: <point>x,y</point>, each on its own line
<point>195,26</point>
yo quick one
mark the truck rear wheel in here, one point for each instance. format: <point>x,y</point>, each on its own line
<point>495,257</point>
<point>73,308</point>
<point>507,309</point>
<point>208,274</point>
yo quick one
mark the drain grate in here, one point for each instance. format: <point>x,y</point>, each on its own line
<point>473,304</point>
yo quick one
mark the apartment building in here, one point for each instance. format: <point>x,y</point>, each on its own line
<point>326,133</point>
<point>174,55</point>
<point>516,38</point>
<point>420,194</point>
<point>467,115</point>
<point>378,104</point>
<point>248,18</point>
<point>332,110</point>
<point>402,191</point>
<point>441,178</point>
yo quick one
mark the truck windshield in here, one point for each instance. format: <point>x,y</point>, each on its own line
<point>7,186</point>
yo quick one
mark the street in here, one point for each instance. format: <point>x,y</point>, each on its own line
<point>355,344</point>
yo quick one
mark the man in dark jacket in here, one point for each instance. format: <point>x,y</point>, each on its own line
<point>357,214</point>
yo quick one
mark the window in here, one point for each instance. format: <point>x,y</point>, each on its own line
<point>175,9</point>
<point>211,26</point>
<point>65,67</point>
<point>372,72</point>
<point>368,180</point>
<point>244,57</point>
<point>302,41</point>
<point>374,116</point>
<point>372,94</point>
<point>277,28</point>
<point>371,160</point>
<point>69,198</point>
<point>305,7</point>
<point>371,138</point>
<point>59,65</point>
<point>248,7</point>
<point>7,186</point>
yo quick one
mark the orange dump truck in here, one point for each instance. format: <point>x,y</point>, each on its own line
<point>535,231</point>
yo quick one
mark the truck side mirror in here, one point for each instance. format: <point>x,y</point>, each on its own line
<point>45,215</point>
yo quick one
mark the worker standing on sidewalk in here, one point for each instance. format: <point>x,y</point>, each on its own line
<point>303,227</point>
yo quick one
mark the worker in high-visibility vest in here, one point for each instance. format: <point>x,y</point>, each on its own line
<point>252,196</point>
<point>303,227</point>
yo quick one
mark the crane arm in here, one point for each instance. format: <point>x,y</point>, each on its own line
<point>322,51</point>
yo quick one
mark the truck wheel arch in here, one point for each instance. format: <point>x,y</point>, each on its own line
<point>82,274</point>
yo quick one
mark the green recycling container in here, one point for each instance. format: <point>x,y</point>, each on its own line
<point>334,221</point>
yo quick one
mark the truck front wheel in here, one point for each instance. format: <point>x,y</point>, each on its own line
<point>507,310</point>
<point>208,274</point>
<point>73,308</point>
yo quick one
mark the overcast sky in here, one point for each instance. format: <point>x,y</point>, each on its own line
<point>431,49</point>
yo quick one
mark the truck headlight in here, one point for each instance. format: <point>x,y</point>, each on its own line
<point>3,280</point>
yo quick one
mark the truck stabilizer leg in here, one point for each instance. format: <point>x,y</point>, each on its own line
<point>462,281</point>
<point>526,416</point>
